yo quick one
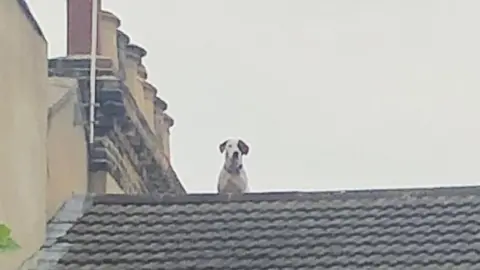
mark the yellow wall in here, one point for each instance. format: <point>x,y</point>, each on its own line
<point>162,130</point>
<point>150,92</point>
<point>108,25</point>
<point>112,186</point>
<point>133,81</point>
<point>23,120</point>
<point>66,145</point>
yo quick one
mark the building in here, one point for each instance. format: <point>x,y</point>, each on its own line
<point>435,228</point>
<point>151,223</point>
<point>44,117</point>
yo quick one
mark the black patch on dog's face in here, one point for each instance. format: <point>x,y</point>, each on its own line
<point>244,148</point>
<point>233,146</point>
<point>222,146</point>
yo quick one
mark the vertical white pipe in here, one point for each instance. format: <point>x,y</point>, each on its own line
<point>93,68</point>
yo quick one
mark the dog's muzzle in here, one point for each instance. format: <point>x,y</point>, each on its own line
<point>233,167</point>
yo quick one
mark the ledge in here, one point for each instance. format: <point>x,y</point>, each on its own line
<point>75,66</point>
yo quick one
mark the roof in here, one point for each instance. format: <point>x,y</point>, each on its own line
<point>436,228</point>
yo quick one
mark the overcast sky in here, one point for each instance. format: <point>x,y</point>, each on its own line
<point>337,94</point>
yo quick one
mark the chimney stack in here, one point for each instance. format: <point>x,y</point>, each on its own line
<point>163,123</point>
<point>150,93</point>
<point>108,25</point>
<point>79,26</point>
<point>134,55</point>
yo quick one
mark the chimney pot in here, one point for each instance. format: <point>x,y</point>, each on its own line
<point>136,52</point>
<point>160,105</point>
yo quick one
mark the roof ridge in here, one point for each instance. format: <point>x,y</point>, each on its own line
<point>286,195</point>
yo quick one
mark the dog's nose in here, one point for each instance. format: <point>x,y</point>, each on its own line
<point>235,154</point>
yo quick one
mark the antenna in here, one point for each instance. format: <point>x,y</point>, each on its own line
<point>93,68</point>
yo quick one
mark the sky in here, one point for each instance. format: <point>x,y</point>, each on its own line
<point>329,94</point>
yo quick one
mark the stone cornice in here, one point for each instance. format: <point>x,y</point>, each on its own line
<point>106,155</point>
<point>149,146</point>
<point>78,66</point>
<point>122,133</point>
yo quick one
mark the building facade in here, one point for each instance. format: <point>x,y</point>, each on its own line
<point>45,152</point>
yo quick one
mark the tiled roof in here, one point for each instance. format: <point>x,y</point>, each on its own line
<point>383,229</point>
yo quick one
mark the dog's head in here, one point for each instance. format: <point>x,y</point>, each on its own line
<point>234,150</point>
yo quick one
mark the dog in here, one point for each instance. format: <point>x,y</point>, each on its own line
<point>232,178</point>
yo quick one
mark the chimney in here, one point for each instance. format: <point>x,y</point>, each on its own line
<point>122,42</point>
<point>163,123</point>
<point>150,93</point>
<point>133,61</point>
<point>108,25</point>
<point>79,26</point>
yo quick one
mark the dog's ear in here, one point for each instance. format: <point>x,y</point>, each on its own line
<point>222,146</point>
<point>243,147</point>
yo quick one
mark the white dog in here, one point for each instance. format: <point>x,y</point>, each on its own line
<point>232,178</point>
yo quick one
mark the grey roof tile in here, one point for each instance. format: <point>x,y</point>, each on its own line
<point>65,218</point>
<point>385,229</point>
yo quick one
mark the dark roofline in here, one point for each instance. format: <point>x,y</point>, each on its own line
<point>285,196</point>
<point>31,18</point>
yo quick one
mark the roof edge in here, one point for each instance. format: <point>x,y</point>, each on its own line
<point>286,196</point>
<point>51,251</point>
<point>28,13</point>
